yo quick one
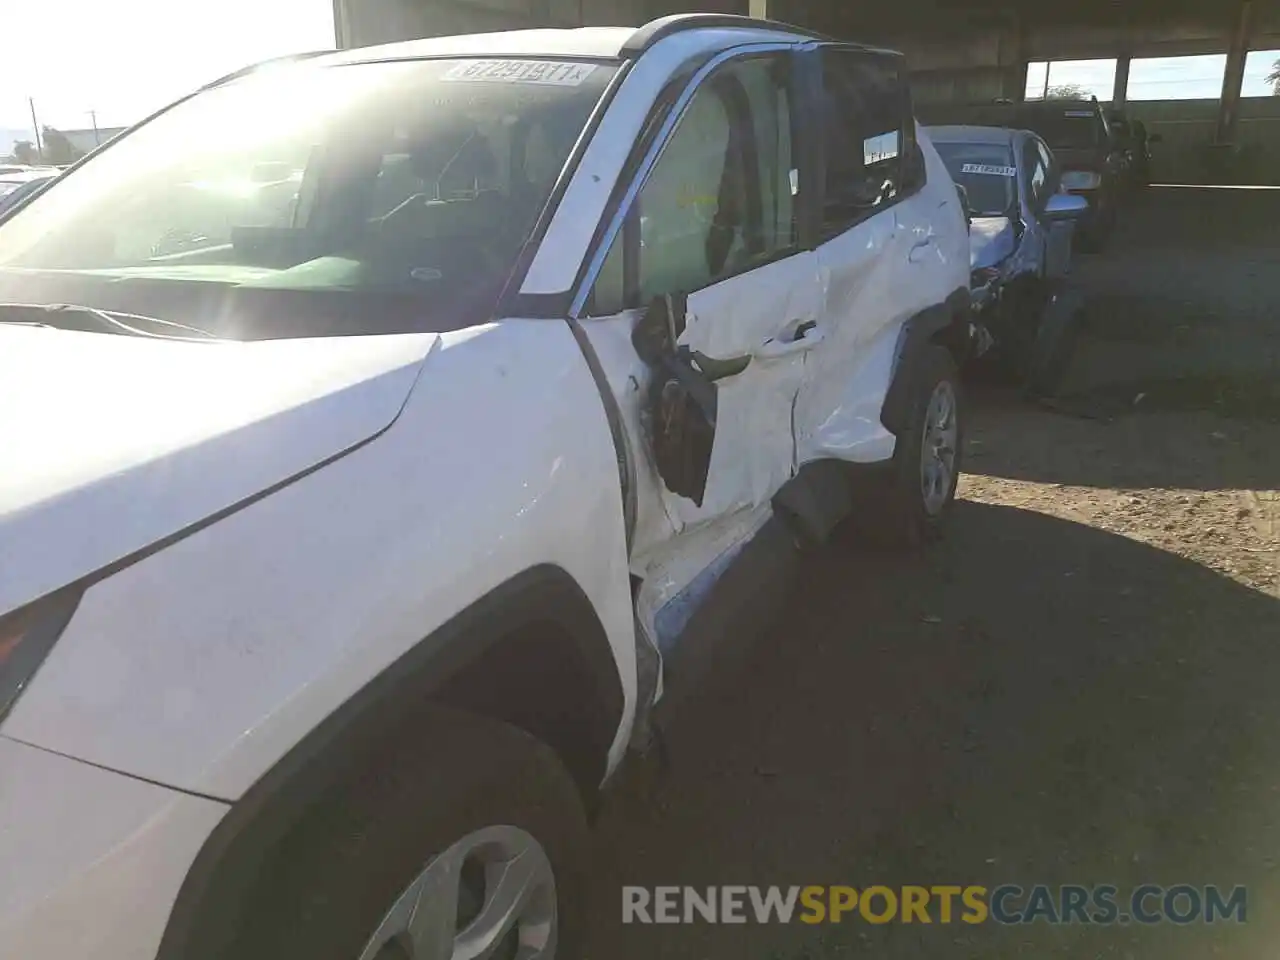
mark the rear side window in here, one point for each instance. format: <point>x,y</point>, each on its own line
<point>863,123</point>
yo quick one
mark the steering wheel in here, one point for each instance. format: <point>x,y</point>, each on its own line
<point>176,240</point>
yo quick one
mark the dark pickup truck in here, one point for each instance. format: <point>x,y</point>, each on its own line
<point>1092,160</point>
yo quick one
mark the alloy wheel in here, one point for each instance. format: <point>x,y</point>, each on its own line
<point>489,896</point>
<point>938,448</point>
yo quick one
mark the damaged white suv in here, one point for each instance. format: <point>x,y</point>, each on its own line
<point>385,431</point>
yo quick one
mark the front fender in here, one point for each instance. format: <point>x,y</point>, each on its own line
<point>202,665</point>
<point>946,324</point>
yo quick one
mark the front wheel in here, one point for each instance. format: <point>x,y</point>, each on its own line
<point>472,845</point>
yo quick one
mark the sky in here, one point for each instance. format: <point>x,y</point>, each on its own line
<point>1157,78</point>
<point>126,58</point>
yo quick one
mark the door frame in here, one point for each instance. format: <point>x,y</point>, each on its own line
<point>618,229</point>
<point>693,567</point>
<point>663,118</point>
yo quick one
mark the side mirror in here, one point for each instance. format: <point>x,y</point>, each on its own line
<point>1065,206</point>
<point>1155,138</point>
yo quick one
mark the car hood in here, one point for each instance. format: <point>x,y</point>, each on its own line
<point>111,443</point>
<point>991,241</point>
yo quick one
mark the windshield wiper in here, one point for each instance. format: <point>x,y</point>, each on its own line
<point>74,316</point>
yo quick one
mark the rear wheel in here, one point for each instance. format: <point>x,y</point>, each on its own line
<point>910,504</point>
<point>474,847</point>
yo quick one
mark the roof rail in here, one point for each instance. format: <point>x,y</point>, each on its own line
<point>655,30</point>
<point>254,67</point>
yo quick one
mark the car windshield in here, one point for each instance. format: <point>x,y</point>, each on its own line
<point>312,200</point>
<point>1064,128</point>
<point>987,173</point>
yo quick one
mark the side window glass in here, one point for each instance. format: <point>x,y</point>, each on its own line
<point>1047,159</point>
<point>765,82</point>
<point>609,294</point>
<point>721,197</point>
<point>1037,175</point>
<point>691,207</point>
<point>862,125</point>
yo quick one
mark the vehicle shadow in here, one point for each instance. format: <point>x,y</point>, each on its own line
<point>1174,382</point>
<point>1105,440</point>
<point>1200,217</point>
<point>1032,701</point>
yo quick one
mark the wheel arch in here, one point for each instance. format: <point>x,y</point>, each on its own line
<point>532,653</point>
<point>945,324</point>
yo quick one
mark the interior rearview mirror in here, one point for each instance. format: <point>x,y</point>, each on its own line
<point>1066,206</point>
<point>270,172</point>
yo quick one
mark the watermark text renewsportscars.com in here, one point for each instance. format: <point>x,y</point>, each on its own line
<point>1101,904</point>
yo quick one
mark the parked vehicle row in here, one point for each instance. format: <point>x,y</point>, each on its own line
<point>1093,161</point>
<point>380,471</point>
<point>1020,231</point>
<point>1016,164</point>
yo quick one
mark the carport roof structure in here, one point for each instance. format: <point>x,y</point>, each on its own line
<point>1001,37</point>
<point>987,44</point>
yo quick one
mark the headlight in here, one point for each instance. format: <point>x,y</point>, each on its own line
<point>26,637</point>
<point>1081,180</point>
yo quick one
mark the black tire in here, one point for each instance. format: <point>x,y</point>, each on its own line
<point>1095,237</point>
<point>332,879</point>
<point>1054,347</point>
<point>1092,240</point>
<point>1015,342</point>
<point>890,511</point>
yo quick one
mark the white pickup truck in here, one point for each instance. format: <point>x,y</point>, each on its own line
<point>381,427</point>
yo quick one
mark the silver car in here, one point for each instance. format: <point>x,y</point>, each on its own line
<point>1020,239</point>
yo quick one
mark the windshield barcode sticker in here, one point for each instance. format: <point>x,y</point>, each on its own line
<point>548,72</point>
<point>989,170</point>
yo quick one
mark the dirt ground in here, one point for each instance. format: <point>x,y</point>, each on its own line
<point>1079,685</point>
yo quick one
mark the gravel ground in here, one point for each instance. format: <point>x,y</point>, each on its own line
<point>1077,686</point>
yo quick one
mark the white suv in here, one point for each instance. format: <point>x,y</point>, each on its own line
<point>382,433</point>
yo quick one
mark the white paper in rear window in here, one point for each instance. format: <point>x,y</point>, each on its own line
<point>551,73</point>
<point>989,170</point>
